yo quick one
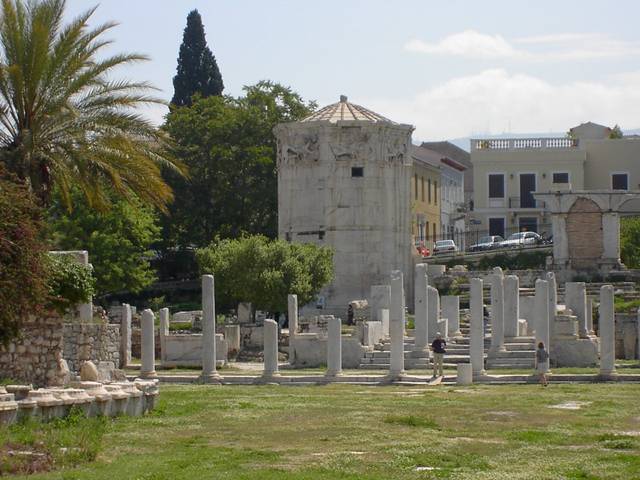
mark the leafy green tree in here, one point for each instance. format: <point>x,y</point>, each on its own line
<point>230,150</point>
<point>23,273</point>
<point>118,241</point>
<point>198,71</point>
<point>65,118</point>
<point>616,132</point>
<point>630,241</point>
<point>263,272</point>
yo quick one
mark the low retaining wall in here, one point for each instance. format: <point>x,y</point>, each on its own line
<point>21,402</point>
<point>98,342</point>
<point>185,350</point>
<point>310,350</point>
<point>35,356</point>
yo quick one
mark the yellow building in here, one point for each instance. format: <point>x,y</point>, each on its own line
<point>425,199</point>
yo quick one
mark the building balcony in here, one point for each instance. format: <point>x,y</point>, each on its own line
<point>525,202</point>
<point>552,143</point>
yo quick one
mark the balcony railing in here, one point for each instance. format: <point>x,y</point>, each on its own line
<point>525,202</point>
<point>523,143</point>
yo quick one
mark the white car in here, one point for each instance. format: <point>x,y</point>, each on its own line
<point>521,239</point>
<point>444,246</point>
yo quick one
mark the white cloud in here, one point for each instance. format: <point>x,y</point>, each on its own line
<point>468,43</point>
<point>495,101</point>
<point>556,47</point>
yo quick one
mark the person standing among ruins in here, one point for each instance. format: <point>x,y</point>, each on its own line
<point>438,347</point>
<point>542,364</point>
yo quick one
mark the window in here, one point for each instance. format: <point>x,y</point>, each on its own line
<point>416,185</point>
<point>496,226</point>
<point>422,188</point>
<point>620,181</point>
<point>435,193</point>
<point>561,177</point>
<point>429,190</point>
<point>496,185</point>
<point>357,171</point>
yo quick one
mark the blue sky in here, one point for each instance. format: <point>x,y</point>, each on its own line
<point>452,68</point>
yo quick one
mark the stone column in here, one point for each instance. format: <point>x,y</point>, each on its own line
<point>270,335</point>
<point>125,336</point>
<point>209,373</point>
<point>148,345</point>
<point>575,298</point>
<point>589,317</point>
<point>433,312</point>
<point>560,238</point>
<point>611,237</point>
<point>553,297</point>
<point>497,312</point>
<point>541,313</point>
<point>421,334</point>
<point>607,331</point>
<point>396,325</point>
<point>511,305</point>
<point>334,347</point>
<point>380,300</point>
<point>292,305</point>
<point>164,331</point>
<point>451,311</point>
<point>476,340</point>
<point>638,334</point>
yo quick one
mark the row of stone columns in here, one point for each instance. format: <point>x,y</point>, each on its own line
<point>503,295</point>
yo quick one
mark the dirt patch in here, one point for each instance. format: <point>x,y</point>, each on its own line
<point>570,405</point>
<point>24,459</point>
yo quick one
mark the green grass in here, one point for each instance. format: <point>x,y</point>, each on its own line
<point>360,432</point>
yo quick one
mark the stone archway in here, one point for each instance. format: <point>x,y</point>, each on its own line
<point>584,232</point>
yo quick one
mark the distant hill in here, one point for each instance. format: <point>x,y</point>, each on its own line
<point>463,142</point>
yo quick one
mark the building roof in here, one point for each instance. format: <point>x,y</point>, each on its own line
<point>345,110</point>
<point>425,156</point>
<point>434,158</point>
<point>451,151</point>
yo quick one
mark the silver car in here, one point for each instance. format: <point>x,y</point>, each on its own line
<point>444,246</point>
<point>521,239</point>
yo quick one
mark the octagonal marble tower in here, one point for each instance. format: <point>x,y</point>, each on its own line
<point>344,181</point>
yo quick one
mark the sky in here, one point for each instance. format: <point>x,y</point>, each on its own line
<point>453,68</point>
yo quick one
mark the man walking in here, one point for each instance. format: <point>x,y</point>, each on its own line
<point>438,347</point>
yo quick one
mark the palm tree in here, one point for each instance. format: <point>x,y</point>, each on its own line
<point>65,122</point>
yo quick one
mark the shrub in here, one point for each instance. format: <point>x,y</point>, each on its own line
<point>70,283</point>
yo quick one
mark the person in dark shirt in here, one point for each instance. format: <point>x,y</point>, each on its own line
<point>438,347</point>
<point>542,363</point>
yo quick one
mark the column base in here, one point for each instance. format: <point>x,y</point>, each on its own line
<point>152,374</point>
<point>394,377</point>
<point>330,375</point>
<point>211,378</point>
<point>605,375</point>
<point>269,379</point>
<point>422,352</point>
<point>493,351</point>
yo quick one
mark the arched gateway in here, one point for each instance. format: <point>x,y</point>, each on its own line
<point>586,227</point>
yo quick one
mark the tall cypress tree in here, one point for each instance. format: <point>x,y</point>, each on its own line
<point>197,68</point>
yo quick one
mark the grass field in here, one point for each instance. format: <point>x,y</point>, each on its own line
<point>355,432</point>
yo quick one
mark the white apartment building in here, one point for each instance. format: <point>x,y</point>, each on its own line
<point>508,170</point>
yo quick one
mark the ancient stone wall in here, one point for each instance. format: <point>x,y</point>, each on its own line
<point>626,336</point>
<point>584,231</point>
<point>34,357</point>
<point>98,342</point>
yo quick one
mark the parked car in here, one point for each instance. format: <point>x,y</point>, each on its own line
<point>444,246</point>
<point>487,243</point>
<point>522,239</point>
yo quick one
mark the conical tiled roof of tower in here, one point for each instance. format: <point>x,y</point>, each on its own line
<point>345,111</point>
